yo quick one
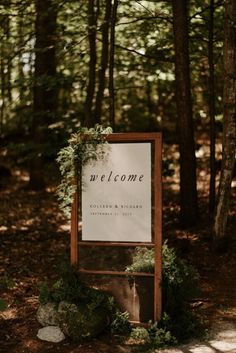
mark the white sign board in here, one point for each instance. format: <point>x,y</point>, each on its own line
<point>116,197</point>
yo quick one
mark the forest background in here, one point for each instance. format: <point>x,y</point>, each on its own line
<point>137,65</point>
<point>133,65</point>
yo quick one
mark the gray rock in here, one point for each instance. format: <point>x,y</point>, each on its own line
<point>51,334</point>
<point>47,314</point>
<point>64,307</point>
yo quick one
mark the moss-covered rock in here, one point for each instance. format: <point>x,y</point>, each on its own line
<point>81,311</point>
<point>47,314</point>
<point>80,322</point>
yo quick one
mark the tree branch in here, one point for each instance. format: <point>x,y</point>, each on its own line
<point>164,59</point>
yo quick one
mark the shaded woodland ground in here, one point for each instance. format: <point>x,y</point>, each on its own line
<point>34,234</point>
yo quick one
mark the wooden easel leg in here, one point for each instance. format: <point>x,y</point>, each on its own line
<point>74,231</point>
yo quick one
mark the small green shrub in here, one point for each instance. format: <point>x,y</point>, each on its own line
<point>80,323</point>
<point>44,293</point>
<point>148,339</point>
<point>6,283</point>
<point>3,304</point>
<point>179,282</point>
<point>179,287</point>
<point>71,289</point>
<point>120,324</point>
<point>140,335</point>
<point>78,305</point>
<point>161,337</point>
<point>143,261</point>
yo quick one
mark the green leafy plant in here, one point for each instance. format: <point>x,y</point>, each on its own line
<point>120,324</point>
<point>3,304</point>
<point>148,339</point>
<point>140,335</point>
<point>179,286</point>
<point>78,305</point>
<point>71,289</point>
<point>45,293</point>
<point>82,148</point>
<point>6,282</point>
<point>160,334</point>
<point>143,261</point>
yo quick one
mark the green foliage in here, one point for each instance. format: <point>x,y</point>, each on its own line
<point>140,335</point>
<point>83,312</point>
<point>3,304</point>
<point>143,261</point>
<point>120,324</point>
<point>81,323</point>
<point>150,338</point>
<point>45,293</point>
<point>71,289</point>
<point>179,286</point>
<point>6,283</point>
<point>82,149</point>
<point>161,336</point>
<point>143,72</point>
<point>23,150</point>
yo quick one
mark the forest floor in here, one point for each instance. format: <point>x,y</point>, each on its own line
<point>34,234</point>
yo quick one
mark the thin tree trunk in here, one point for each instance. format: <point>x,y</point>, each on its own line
<point>5,78</point>
<point>188,191</point>
<point>44,92</point>
<point>92,29</point>
<point>211,92</point>
<point>229,127</point>
<point>103,64</point>
<point>111,65</point>
<point>2,111</point>
<point>9,60</point>
<point>20,73</point>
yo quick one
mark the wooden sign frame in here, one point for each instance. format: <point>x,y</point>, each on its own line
<point>156,153</point>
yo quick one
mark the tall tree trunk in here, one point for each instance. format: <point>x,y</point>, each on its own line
<point>111,66</point>
<point>5,64</point>
<point>3,87</point>
<point>229,126</point>
<point>44,92</point>
<point>9,59</point>
<point>211,95</point>
<point>188,191</point>
<point>92,29</point>
<point>104,63</point>
<point>20,72</point>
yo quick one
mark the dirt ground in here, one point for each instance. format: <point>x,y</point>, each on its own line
<point>34,234</point>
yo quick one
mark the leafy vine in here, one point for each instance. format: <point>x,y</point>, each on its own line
<point>82,148</point>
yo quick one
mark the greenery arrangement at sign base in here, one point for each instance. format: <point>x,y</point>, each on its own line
<point>179,287</point>
<point>82,148</point>
<point>82,312</point>
<point>177,324</point>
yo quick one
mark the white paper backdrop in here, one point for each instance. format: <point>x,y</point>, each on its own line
<point>116,197</point>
